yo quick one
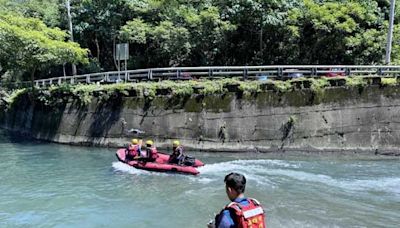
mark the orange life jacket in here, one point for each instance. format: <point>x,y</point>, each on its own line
<point>250,216</point>
<point>153,153</point>
<point>134,150</point>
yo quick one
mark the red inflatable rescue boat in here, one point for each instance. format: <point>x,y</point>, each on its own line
<point>160,164</point>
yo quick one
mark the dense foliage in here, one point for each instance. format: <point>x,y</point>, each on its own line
<point>165,33</point>
<point>29,45</point>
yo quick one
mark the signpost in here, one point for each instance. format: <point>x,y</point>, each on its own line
<point>122,53</point>
<point>71,33</point>
<point>390,32</point>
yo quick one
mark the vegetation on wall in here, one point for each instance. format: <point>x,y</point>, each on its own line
<point>389,81</point>
<point>85,94</point>
<point>355,81</point>
<point>8,99</point>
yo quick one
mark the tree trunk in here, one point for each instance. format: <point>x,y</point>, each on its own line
<point>70,31</point>
<point>96,41</point>
<point>33,78</point>
<point>115,61</point>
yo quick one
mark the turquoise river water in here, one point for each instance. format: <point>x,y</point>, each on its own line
<point>51,185</point>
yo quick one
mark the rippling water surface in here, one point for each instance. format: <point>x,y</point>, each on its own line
<point>50,185</point>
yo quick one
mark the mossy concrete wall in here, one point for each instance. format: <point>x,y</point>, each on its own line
<point>359,119</point>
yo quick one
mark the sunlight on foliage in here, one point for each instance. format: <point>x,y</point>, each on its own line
<point>355,81</point>
<point>13,96</point>
<point>389,81</point>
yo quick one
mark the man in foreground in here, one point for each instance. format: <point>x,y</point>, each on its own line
<point>241,212</point>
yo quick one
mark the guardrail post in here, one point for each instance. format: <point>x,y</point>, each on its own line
<point>59,81</point>
<point>150,75</point>
<point>380,71</point>
<point>314,72</point>
<point>210,72</point>
<point>347,71</point>
<point>280,73</point>
<point>245,73</point>
<point>178,73</point>
<point>88,79</point>
<point>126,76</point>
<point>72,80</point>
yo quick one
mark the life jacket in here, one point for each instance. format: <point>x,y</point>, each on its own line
<point>152,153</point>
<point>249,216</point>
<point>134,150</point>
<point>179,152</point>
<point>143,153</point>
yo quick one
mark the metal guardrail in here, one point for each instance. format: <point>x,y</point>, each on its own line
<point>246,72</point>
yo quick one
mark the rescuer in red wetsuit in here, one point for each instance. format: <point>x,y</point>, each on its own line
<point>151,151</point>
<point>133,150</point>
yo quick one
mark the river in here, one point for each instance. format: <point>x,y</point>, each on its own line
<point>51,185</point>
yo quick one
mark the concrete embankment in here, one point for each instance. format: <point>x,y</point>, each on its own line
<point>337,119</point>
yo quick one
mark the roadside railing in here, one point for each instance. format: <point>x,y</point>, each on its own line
<point>245,72</point>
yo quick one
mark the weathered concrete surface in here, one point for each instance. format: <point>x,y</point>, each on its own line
<point>363,120</point>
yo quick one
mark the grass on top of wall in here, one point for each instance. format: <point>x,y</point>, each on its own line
<point>85,93</point>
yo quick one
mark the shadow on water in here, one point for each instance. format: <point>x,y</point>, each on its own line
<point>7,137</point>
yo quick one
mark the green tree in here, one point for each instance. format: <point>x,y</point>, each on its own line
<point>208,33</point>
<point>96,26</point>
<point>343,32</point>
<point>260,37</point>
<point>175,32</point>
<point>222,32</point>
<point>46,10</point>
<point>29,45</point>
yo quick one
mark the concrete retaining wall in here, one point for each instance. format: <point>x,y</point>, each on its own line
<point>363,120</point>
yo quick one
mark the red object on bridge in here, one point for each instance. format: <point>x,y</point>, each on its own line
<point>335,72</point>
<point>160,164</point>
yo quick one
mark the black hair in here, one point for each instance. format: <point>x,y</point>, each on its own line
<point>236,181</point>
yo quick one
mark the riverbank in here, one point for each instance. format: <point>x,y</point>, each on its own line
<point>310,116</point>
